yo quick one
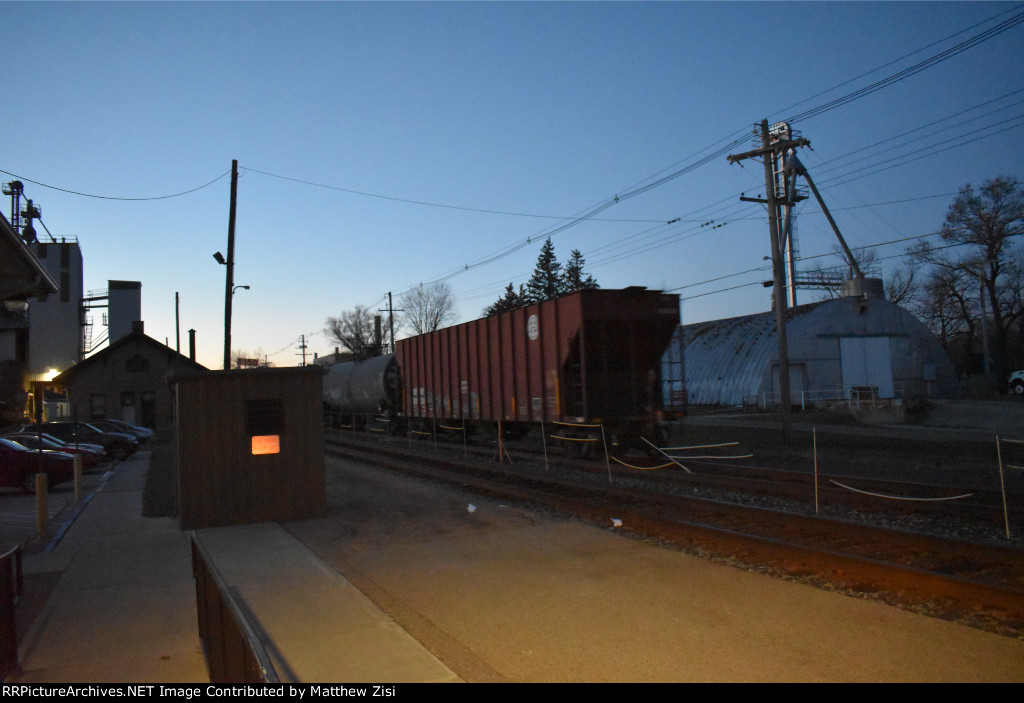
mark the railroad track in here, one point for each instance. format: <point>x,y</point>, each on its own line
<point>982,584</point>
<point>952,510</point>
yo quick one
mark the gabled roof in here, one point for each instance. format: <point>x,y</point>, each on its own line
<point>128,339</point>
<point>21,273</point>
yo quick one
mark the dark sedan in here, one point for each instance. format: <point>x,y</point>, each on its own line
<point>140,433</point>
<point>118,444</point>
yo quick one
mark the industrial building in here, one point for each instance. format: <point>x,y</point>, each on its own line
<point>127,381</point>
<point>55,321</point>
<point>852,345</point>
<point>22,279</point>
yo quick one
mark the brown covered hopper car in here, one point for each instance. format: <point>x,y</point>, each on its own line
<point>587,356</point>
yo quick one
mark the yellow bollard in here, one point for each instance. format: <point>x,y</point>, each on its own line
<point>42,518</point>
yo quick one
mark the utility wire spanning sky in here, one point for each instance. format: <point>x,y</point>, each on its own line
<point>385,145</point>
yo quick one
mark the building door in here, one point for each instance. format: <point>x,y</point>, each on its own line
<point>147,416</point>
<point>128,407</point>
<point>866,361</point>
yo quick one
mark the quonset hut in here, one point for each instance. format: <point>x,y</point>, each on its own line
<point>859,341</point>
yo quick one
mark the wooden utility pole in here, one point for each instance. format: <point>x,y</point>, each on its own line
<point>230,284</point>
<point>769,152</point>
<point>177,323</point>
<point>391,320</point>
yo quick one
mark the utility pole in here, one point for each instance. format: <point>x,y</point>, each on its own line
<point>302,348</point>
<point>230,284</point>
<point>391,320</point>
<point>770,152</point>
<point>177,323</point>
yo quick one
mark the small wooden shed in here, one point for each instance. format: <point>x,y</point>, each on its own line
<point>249,446</point>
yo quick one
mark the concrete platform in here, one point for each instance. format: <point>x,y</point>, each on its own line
<point>123,608</point>
<point>318,628</point>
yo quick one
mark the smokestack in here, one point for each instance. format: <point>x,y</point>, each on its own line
<point>191,345</point>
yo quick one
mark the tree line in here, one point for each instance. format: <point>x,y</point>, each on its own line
<point>550,280</point>
<point>431,307</point>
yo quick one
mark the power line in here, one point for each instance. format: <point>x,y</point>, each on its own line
<point>912,70</point>
<point>112,197</point>
<point>901,58</point>
<point>422,202</point>
<point>818,256</point>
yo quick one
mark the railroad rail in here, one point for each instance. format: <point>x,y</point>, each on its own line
<point>958,579</point>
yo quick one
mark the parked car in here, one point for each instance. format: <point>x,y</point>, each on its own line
<point>19,466</point>
<point>1017,382</point>
<point>92,454</point>
<point>119,445</point>
<point>140,433</point>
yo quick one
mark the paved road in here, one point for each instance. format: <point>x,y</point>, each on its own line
<point>502,593</point>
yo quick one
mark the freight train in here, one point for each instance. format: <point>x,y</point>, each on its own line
<point>589,357</point>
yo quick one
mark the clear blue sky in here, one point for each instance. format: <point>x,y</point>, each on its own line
<point>542,109</point>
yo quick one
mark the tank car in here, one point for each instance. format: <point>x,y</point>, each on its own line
<point>362,388</point>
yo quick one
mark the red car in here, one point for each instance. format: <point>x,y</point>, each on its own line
<point>92,454</point>
<point>19,466</point>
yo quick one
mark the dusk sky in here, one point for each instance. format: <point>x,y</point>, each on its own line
<point>384,145</point>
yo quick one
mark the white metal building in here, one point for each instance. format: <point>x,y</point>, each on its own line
<point>835,345</point>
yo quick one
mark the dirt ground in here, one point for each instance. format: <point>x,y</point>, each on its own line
<point>504,593</point>
<point>1002,417</point>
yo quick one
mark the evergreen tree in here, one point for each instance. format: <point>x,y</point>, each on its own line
<point>573,278</point>
<point>546,282</point>
<point>511,301</point>
<point>550,280</point>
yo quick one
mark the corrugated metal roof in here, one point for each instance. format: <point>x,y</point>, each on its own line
<point>729,360</point>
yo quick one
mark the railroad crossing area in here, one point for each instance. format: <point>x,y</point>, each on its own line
<point>478,589</point>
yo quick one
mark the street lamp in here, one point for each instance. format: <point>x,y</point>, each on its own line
<point>237,287</point>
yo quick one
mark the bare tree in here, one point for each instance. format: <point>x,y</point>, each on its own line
<point>947,306</point>
<point>243,359</point>
<point>986,219</point>
<point>903,286</point>
<point>428,308</point>
<point>982,279</point>
<point>355,330</point>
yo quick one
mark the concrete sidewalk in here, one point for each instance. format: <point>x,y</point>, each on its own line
<point>123,607</point>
